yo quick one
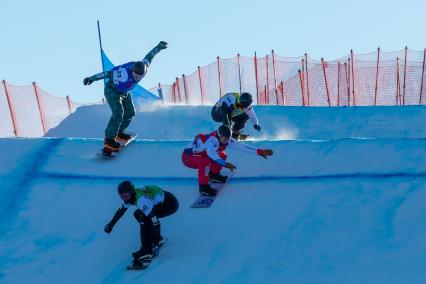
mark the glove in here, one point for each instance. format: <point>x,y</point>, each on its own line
<point>108,228</point>
<point>162,45</point>
<point>257,127</point>
<point>87,81</point>
<point>230,166</point>
<point>265,152</point>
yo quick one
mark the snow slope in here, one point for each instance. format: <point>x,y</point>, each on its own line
<point>324,209</point>
<point>278,123</point>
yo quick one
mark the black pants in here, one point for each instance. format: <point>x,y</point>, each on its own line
<point>150,227</point>
<point>239,121</point>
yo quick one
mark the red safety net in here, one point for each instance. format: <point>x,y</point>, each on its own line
<point>29,111</point>
<point>376,78</point>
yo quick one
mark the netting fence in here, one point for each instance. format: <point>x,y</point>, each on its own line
<point>377,78</point>
<point>29,111</point>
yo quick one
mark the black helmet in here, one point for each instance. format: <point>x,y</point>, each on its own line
<point>245,100</point>
<point>139,68</point>
<point>225,131</point>
<point>126,187</point>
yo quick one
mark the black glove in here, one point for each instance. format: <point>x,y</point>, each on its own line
<point>87,81</point>
<point>162,45</point>
<point>108,228</point>
<point>257,127</point>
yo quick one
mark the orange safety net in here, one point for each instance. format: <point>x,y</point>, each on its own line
<point>376,78</point>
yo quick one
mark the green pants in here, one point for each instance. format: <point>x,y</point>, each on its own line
<point>122,111</point>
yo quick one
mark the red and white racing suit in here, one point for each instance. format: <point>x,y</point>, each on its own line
<point>206,154</point>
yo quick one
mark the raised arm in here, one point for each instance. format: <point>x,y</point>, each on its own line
<point>160,46</point>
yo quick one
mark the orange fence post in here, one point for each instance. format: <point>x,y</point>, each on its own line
<point>353,77</point>
<point>218,72</point>
<point>12,112</point>
<point>178,89</point>
<point>423,73</point>
<point>275,76</point>
<point>239,70</point>
<point>325,81</point>
<point>405,76</point>
<point>69,103</point>
<point>255,73</point>
<point>307,79</point>
<point>39,108</point>
<point>398,84</point>
<point>185,88</point>
<point>377,76</point>
<point>301,86</point>
<point>201,86</point>
<point>264,91</point>
<point>174,92</point>
<point>338,83</point>
<point>348,83</point>
<point>267,81</point>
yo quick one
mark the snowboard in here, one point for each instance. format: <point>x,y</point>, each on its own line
<point>204,201</point>
<point>107,153</point>
<point>146,264</point>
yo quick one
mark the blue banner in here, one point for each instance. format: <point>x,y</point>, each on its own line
<point>140,95</point>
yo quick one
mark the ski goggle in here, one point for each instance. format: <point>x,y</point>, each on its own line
<point>239,105</point>
<point>125,196</point>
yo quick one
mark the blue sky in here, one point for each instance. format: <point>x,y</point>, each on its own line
<point>55,42</point>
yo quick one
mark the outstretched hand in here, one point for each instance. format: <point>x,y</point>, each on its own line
<point>162,45</point>
<point>257,127</point>
<point>265,153</point>
<point>108,228</point>
<point>87,81</point>
<point>230,166</point>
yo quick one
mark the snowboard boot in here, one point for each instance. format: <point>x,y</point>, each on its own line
<point>206,189</point>
<point>217,178</point>
<point>123,137</point>
<point>142,255</point>
<point>111,145</point>
<point>156,246</point>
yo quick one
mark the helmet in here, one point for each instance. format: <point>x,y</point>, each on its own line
<point>139,68</point>
<point>245,100</point>
<point>126,187</point>
<point>225,131</point>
